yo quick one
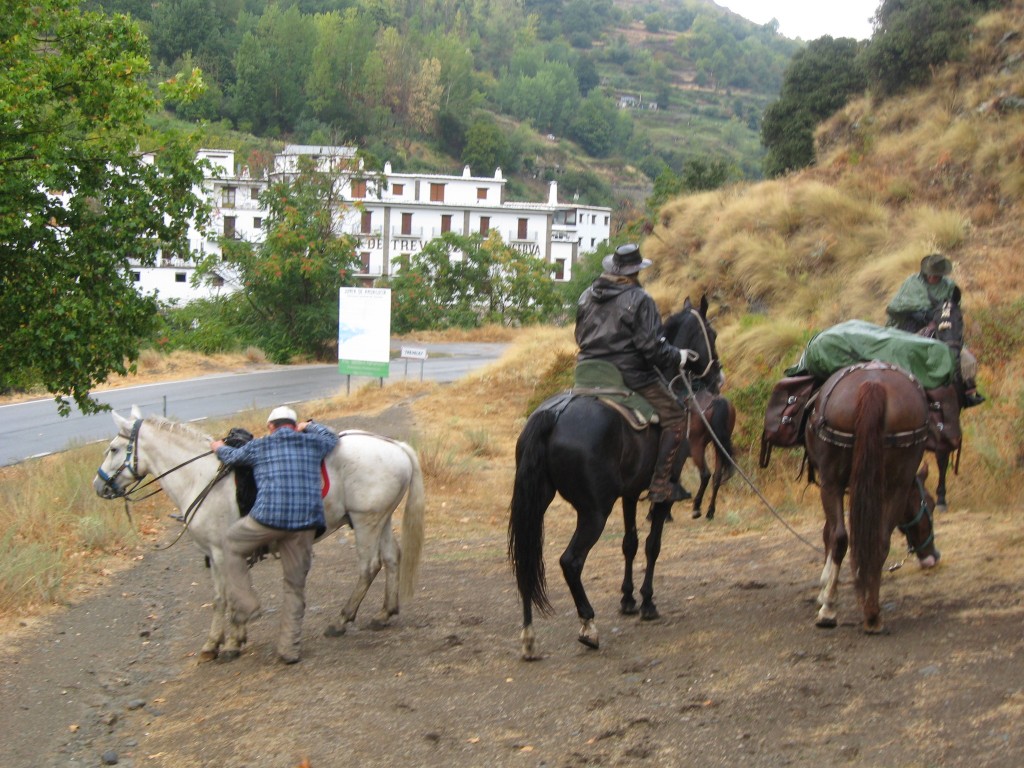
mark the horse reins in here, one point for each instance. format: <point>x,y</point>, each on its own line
<point>753,486</point>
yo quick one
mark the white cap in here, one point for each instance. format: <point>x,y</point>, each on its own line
<point>282,412</point>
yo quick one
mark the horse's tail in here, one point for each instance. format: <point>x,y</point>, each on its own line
<point>526,511</point>
<point>866,480</point>
<point>723,419</point>
<point>412,528</point>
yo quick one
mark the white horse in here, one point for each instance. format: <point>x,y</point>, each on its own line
<point>368,475</point>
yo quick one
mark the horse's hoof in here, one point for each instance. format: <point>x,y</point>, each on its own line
<point>711,514</point>
<point>379,624</point>
<point>628,608</point>
<point>227,656</point>
<point>826,623</point>
<point>649,614</point>
<point>334,631</point>
<point>941,508</point>
<point>206,656</point>
<point>696,514</point>
<point>876,629</point>
<point>590,642</point>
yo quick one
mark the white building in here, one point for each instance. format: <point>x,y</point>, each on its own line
<point>393,215</point>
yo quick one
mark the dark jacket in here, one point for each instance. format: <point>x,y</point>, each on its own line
<point>617,321</point>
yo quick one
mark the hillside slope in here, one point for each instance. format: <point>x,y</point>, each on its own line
<point>938,169</point>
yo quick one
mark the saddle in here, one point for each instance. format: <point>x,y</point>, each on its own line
<point>785,416</point>
<point>601,379</point>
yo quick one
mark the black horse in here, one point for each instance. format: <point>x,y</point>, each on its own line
<point>711,417</point>
<point>947,325</point>
<point>584,450</point>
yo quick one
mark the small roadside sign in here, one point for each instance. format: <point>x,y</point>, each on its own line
<point>414,353</point>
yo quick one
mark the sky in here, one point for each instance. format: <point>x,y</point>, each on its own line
<point>810,19</point>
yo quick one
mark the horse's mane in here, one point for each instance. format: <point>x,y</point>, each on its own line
<point>178,428</point>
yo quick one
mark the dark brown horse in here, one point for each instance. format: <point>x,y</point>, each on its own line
<point>947,325</point>
<point>712,417</point>
<point>866,434</point>
<point>583,450</point>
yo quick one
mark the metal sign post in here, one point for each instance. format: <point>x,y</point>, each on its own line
<point>414,353</point>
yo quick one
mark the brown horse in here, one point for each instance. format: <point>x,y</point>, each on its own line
<point>711,418</point>
<point>866,434</point>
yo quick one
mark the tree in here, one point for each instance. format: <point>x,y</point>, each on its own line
<point>486,146</point>
<point>464,281</point>
<point>818,82</point>
<point>77,198</point>
<point>291,279</point>
<point>914,36</point>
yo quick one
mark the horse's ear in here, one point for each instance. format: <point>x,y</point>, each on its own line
<point>704,305</point>
<point>687,305</point>
<point>136,413</point>
<point>124,426</point>
<point>956,296</point>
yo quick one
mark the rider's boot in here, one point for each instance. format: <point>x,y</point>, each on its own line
<point>662,487</point>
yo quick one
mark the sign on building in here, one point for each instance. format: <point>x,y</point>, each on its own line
<point>364,331</point>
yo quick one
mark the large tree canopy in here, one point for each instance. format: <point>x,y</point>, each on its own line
<point>818,82</point>
<point>77,199</point>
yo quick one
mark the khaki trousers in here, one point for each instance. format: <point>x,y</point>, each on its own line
<point>295,549</point>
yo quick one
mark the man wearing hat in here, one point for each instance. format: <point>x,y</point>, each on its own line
<point>921,294</point>
<point>913,309</point>
<point>288,512</point>
<point>617,321</point>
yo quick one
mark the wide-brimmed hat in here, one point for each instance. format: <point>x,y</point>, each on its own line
<point>625,261</point>
<point>282,413</point>
<point>936,265</point>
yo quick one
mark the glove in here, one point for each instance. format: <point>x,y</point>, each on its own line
<point>686,356</point>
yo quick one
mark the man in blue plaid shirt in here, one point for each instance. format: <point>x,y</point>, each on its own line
<point>288,512</point>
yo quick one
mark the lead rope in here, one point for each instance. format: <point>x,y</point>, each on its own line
<point>737,467</point>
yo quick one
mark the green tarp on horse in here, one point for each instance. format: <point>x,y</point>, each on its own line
<point>857,341</point>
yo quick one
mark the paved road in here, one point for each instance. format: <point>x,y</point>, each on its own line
<point>35,429</point>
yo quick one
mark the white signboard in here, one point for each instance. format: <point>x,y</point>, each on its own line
<point>414,353</point>
<point>364,331</point>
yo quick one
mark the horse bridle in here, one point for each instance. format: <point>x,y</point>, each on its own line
<point>130,464</point>
<point>923,511</point>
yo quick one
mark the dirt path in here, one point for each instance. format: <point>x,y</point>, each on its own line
<point>734,673</point>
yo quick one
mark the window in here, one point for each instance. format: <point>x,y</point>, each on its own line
<point>485,225</point>
<point>136,276</point>
<point>364,259</point>
<point>229,227</point>
<point>180,277</point>
<point>365,222</point>
<point>446,222</point>
<point>406,223</point>
<point>437,193</point>
<point>254,193</point>
<point>606,221</point>
<point>227,197</point>
<point>559,269</point>
<point>398,189</point>
<point>481,193</point>
<point>257,222</point>
<point>358,188</point>
<point>522,228</point>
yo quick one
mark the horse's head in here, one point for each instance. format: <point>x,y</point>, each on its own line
<point>918,522</point>
<point>690,329</point>
<point>122,466</point>
<point>944,433</point>
<point>948,321</point>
